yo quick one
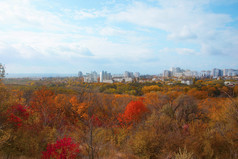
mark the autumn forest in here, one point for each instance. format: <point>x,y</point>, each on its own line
<point>72,119</point>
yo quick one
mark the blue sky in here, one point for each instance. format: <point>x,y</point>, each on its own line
<point>42,36</point>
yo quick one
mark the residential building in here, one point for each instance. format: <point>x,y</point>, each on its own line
<point>128,74</point>
<point>80,74</point>
<point>216,73</point>
<point>167,73</point>
<point>91,77</point>
<point>187,81</point>
<point>105,77</point>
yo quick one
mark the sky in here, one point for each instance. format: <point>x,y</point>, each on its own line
<point>146,36</point>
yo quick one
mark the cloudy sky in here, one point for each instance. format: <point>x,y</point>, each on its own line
<point>65,36</point>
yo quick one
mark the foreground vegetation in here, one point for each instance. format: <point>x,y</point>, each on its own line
<point>71,119</point>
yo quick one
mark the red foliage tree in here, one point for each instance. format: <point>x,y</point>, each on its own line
<point>17,114</point>
<point>133,113</point>
<point>62,149</point>
<point>96,121</point>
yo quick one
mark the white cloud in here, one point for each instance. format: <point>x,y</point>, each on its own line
<point>185,51</point>
<point>184,21</point>
<point>184,34</point>
<point>7,50</point>
<point>85,14</point>
<point>181,51</point>
<point>26,52</point>
<point>48,42</point>
<point>69,35</point>
<point>22,15</point>
<point>112,31</point>
<point>172,18</point>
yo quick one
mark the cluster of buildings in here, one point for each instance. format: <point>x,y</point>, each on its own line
<point>126,77</point>
<point>105,77</point>
<point>215,73</point>
<point>91,77</point>
<point>185,76</point>
<point>230,72</point>
<point>178,72</point>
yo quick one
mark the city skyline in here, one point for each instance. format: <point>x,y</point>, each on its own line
<point>169,73</point>
<point>39,36</point>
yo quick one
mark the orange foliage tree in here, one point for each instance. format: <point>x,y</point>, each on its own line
<point>43,104</point>
<point>133,113</point>
<point>198,94</point>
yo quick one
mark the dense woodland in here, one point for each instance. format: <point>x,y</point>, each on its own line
<point>71,119</point>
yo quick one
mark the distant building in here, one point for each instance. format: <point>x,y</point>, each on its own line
<point>195,74</point>
<point>206,74</point>
<point>128,79</point>
<point>216,73</point>
<point>225,72</point>
<point>117,76</point>
<point>229,83</point>
<point>176,71</point>
<point>107,81</point>
<point>188,73</point>
<point>187,82</point>
<point>128,74</point>
<point>105,77</point>
<point>136,74</point>
<point>167,73</point>
<point>91,77</point>
<point>118,79</point>
<point>181,73</point>
<point>230,72</point>
<point>101,76</point>
<point>95,76</point>
<point>178,74</point>
<point>80,74</point>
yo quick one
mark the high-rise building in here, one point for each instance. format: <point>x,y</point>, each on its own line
<point>95,76</point>
<point>203,73</point>
<point>225,72</point>
<point>208,73</point>
<point>101,76</point>
<point>105,77</point>
<point>230,72</point>
<point>167,73</point>
<point>80,74</point>
<point>177,71</point>
<point>109,76</point>
<point>216,73</point>
<point>128,74</point>
<point>91,77</point>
